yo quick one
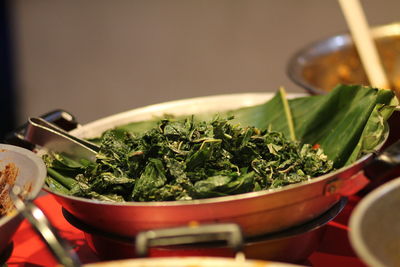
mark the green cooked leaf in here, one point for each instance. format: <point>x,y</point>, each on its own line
<point>153,177</point>
<point>189,159</point>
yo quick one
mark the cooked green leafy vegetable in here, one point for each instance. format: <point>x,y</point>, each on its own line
<point>209,155</point>
<point>186,159</point>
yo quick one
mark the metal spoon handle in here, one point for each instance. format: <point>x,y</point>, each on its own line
<point>65,255</point>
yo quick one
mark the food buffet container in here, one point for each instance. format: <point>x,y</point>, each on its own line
<point>257,213</point>
<point>320,66</point>
<point>375,228</point>
<point>30,173</point>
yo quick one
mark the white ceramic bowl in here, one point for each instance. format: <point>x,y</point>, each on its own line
<point>31,174</point>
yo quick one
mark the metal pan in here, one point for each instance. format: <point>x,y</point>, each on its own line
<point>257,212</point>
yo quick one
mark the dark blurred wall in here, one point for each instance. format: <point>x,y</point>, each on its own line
<point>97,58</point>
<point>7,89</point>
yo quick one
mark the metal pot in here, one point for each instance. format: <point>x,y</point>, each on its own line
<point>31,173</point>
<point>374,226</point>
<point>256,213</point>
<point>322,65</point>
<point>293,245</point>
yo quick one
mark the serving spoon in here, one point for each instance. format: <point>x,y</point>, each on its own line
<point>60,249</point>
<point>371,62</point>
<point>358,26</point>
<point>51,137</point>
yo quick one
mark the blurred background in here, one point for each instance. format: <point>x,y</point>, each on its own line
<point>97,58</point>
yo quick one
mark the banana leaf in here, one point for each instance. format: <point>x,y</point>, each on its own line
<point>346,123</point>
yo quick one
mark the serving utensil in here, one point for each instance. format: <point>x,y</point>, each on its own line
<point>366,48</point>
<point>359,28</point>
<point>60,249</point>
<point>53,138</point>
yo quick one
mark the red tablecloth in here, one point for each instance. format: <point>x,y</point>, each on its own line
<point>29,250</point>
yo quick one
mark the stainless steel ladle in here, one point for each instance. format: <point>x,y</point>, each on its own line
<point>64,254</point>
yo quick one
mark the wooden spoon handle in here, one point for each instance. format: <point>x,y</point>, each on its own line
<point>365,45</point>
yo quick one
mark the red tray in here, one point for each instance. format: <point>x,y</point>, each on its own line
<point>29,250</point>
